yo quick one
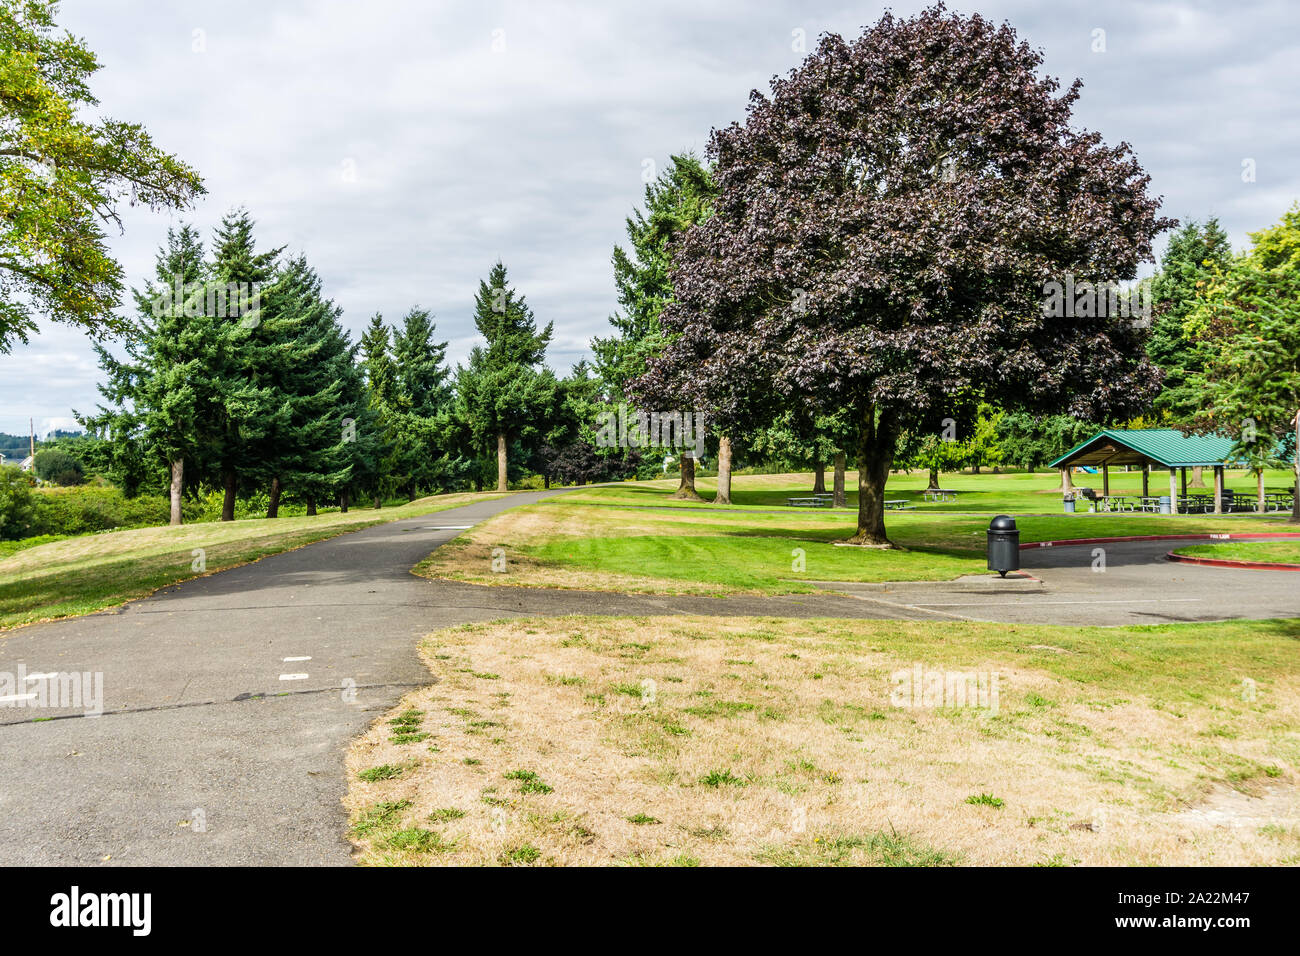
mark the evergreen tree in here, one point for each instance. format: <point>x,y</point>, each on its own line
<point>679,198</point>
<point>1194,253</point>
<point>1248,321</point>
<point>383,405</point>
<point>423,379</point>
<point>377,359</point>
<point>503,393</point>
<point>309,358</point>
<point>568,450</point>
<point>364,449</point>
<point>423,392</point>
<point>235,257</point>
<point>161,396</point>
<point>247,409</point>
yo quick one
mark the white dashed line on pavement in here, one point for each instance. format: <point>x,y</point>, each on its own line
<point>288,660</point>
<point>293,677</point>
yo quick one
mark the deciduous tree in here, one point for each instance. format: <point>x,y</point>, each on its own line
<point>63,176</point>
<point>886,224</point>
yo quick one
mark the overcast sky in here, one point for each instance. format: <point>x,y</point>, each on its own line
<point>404,147</point>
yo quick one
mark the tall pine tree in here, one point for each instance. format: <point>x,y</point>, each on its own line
<point>384,406</point>
<point>248,410</point>
<point>423,392</point>
<point>161,396</point>
<point>1194,254</point>
<point>679,198</point>
<point>504,392</point>
<point>308,358</point>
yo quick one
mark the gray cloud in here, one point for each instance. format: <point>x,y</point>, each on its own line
<point>534,153</point>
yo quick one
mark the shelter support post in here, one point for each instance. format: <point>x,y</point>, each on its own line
<point>1173,491</point>
<point>1146,480</point>
<point>1184,471</point>
<point>1218,489</point>
<point>1105,480</point>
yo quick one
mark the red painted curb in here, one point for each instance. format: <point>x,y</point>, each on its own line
<point>1204,536</point>
<point>1229,563</point>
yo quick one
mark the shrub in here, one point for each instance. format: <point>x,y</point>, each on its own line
<point>17,504</point>
<point>90,508</point>
<point>57,466</point>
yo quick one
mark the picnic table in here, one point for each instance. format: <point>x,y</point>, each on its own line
<point>939,494</point>
<point>1279,501</point>
<point>818,501</point>
<point>1117,502</point>
<point>1204,504</point>
<point>895,504</point>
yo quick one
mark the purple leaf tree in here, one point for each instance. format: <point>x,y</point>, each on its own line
<point>888,222</point>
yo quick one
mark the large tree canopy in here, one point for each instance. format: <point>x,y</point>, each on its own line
<point>1248,323</point>
<point>62,177</point>
<point>1189,261</point>
<point>886,223</point>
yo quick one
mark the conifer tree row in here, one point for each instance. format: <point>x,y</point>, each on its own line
<point>236,378</point>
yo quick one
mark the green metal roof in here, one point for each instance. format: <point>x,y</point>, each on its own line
<point>1166,447</point>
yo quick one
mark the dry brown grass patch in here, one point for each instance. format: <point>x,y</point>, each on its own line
<point>740,741</point>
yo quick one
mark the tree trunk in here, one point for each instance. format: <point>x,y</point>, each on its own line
<point>875,450</point>
<point>723,496</point>
<point>410,492</point>
<point>228,502</point>
<point>273,509</point>
<point>546,482</point>
<point>502,481</point>
<point>1067,481</point>
<point>686,490</point>
<point>1198,478</point>
<point>178,479</point>
<point>1295,490</point>
<point>311,505</point>
<point>379,502</point>
<point>840,500</point>
<point>934,479</point>
<point>819,477</point>
<point>343,503</point>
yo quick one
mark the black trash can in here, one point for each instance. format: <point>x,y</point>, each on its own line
<point>1003,545</point>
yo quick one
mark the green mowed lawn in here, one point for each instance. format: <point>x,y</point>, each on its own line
<point>752,562</point>
<point>1281,552</point>
<point>605,537</point>
<point>763,556</point>
<point>1016,493</point>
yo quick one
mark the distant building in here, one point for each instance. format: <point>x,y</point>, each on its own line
<point>26,463</point>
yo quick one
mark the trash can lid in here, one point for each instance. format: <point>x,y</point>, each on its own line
<point>1003,523</point>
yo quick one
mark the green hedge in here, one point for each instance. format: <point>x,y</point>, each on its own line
<point>26,511</point>
<point>94,508</point>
